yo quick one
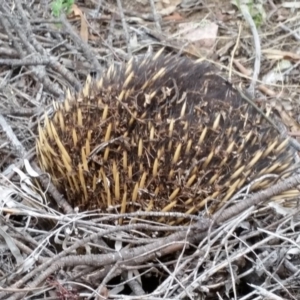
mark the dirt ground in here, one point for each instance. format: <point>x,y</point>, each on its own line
<point>52,252</point>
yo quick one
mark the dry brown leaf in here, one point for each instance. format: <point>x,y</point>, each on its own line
<point>166,7</point>
<point>286,118</point>
<point>278,54</point>
<point>241,68</point>
<point>161,4</point>
<point>202,34</point>
<point>266,90</point>
<point>174,17</point>
<point>84,32</point>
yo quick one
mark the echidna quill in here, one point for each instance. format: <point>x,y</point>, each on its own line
<point>159,134</point>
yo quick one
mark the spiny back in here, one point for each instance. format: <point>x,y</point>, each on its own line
<point>159,134</point>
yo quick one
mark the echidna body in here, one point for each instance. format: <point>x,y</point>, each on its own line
<point>159,134</point>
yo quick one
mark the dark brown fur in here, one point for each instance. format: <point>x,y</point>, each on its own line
<point>222,152</point>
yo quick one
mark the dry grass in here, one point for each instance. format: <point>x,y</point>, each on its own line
<point>47,252</point>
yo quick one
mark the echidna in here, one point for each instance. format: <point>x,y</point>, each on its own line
<point>161,133</point>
